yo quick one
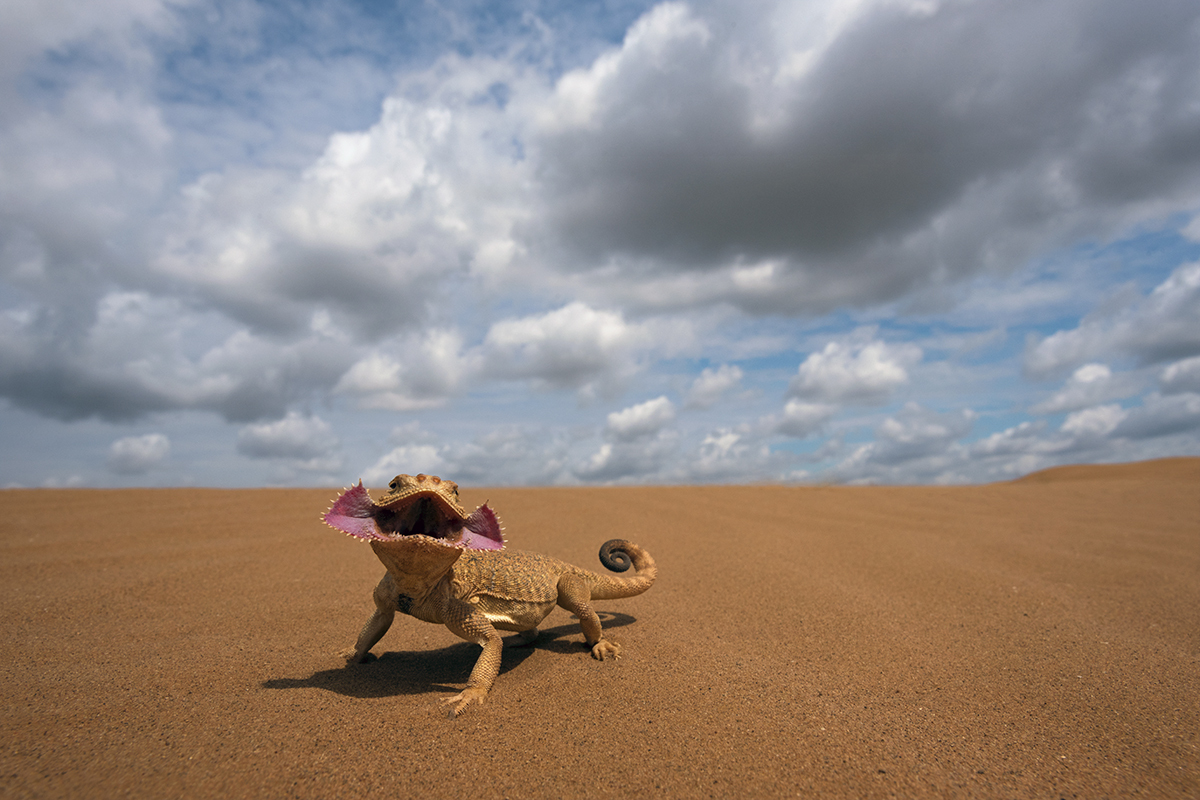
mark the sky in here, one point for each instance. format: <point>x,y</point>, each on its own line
<point>263,243</point>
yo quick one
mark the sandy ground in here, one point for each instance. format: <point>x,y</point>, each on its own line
<point>1036,639</point>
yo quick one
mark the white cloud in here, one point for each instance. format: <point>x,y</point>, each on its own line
<point>293,437</point>
<point>642,420</point>
<point>137,455</point>
<point>916,445</point>
<point>863,373</point>
<point>575,347</point>
<point>622,461</point>
<point>1089,385</point>
<point>433,369</point>
<point>1023,440</point>
<point>377,214</point>
<point>916,432</point>
<point>727,455</point>
<point>406,459</point>
<point>711,384</point>
<point>1094,422</point>
<point>801,419</point>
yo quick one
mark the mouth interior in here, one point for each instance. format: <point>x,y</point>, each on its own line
<point>422,517</point>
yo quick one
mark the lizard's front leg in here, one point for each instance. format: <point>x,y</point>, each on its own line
<point>377,625</point>
<point>575,595</point>
<point>464,620</point>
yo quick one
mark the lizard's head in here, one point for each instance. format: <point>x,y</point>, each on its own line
<point>421,510</point>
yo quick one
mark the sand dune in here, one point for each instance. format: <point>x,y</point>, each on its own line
<point>1039,638</point>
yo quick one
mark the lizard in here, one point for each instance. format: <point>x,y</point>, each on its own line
<point>451,568</point>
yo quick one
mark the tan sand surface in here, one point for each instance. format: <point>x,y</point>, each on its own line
<point>1035,639</point>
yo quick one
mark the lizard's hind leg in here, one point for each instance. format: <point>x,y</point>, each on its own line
<point>575,595</point>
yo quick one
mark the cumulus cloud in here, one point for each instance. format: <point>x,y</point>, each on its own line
<point>1161,416</point>
<point>422,373</point>
<point>712,384</point>
<point>137,455</point>
<point>801,419</point>
<point>640,421</point>
<point>915,445</point>
<point>1019,440</point>
<point>639,444</point>
<point>1089,385</point>
<point>293,437</point>
<point>629,461</point>
<point>1182,376</point>
<point>407,459</point>
<point>863,152</point>
<point>130,360</point>
<point>1093,423</point>
<point>1161,326</point>
<point>202,214</point>
<point>576,347</point>
<point>729,455</point>
<point>917,433</point>
<point>859,372</point>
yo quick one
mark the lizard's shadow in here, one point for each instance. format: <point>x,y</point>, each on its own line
<point>424,671</point>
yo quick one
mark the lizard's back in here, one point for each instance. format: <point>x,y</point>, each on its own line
<point>508,575</point>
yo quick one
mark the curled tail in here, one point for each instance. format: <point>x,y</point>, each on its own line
<point>617,555</point>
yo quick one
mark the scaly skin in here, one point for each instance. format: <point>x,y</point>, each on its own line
<point>476,593</point>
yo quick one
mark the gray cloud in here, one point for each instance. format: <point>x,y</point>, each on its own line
<point>137,455</point>
<point>1182,376</point>
<point>198,215</point>
<point>914,149</point>
<point>129,362</point>
<point>1161,416</point>
<point>293,437</point>
<point>1162,326</point>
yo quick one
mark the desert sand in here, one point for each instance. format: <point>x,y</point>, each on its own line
<point>1033,639</point>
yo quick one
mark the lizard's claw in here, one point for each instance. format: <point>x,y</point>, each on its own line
<point>460,701</point>
<point>352,657</point>
<point>606,649</point>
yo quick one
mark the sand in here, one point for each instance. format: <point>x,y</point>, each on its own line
<point>1039,638</point>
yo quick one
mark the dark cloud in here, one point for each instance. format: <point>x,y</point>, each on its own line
<point>918,147</point>
<point>128,363</point>
<point>1161,416</point>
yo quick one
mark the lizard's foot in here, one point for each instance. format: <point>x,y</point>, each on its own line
<point>352,657</point>
<point>460,701</point>
<point>522,638</point>
<point>606,649</point>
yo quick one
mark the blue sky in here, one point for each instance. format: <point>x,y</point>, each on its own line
<point>882,241</point>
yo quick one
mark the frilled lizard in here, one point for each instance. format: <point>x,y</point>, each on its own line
<point>449,567</point>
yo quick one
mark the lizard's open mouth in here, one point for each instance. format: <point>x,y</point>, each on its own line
<point>421,507</point>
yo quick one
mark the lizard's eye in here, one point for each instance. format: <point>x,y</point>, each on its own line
<point>393,484</point>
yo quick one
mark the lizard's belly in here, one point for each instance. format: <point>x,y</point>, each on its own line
<point>513,615</point>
